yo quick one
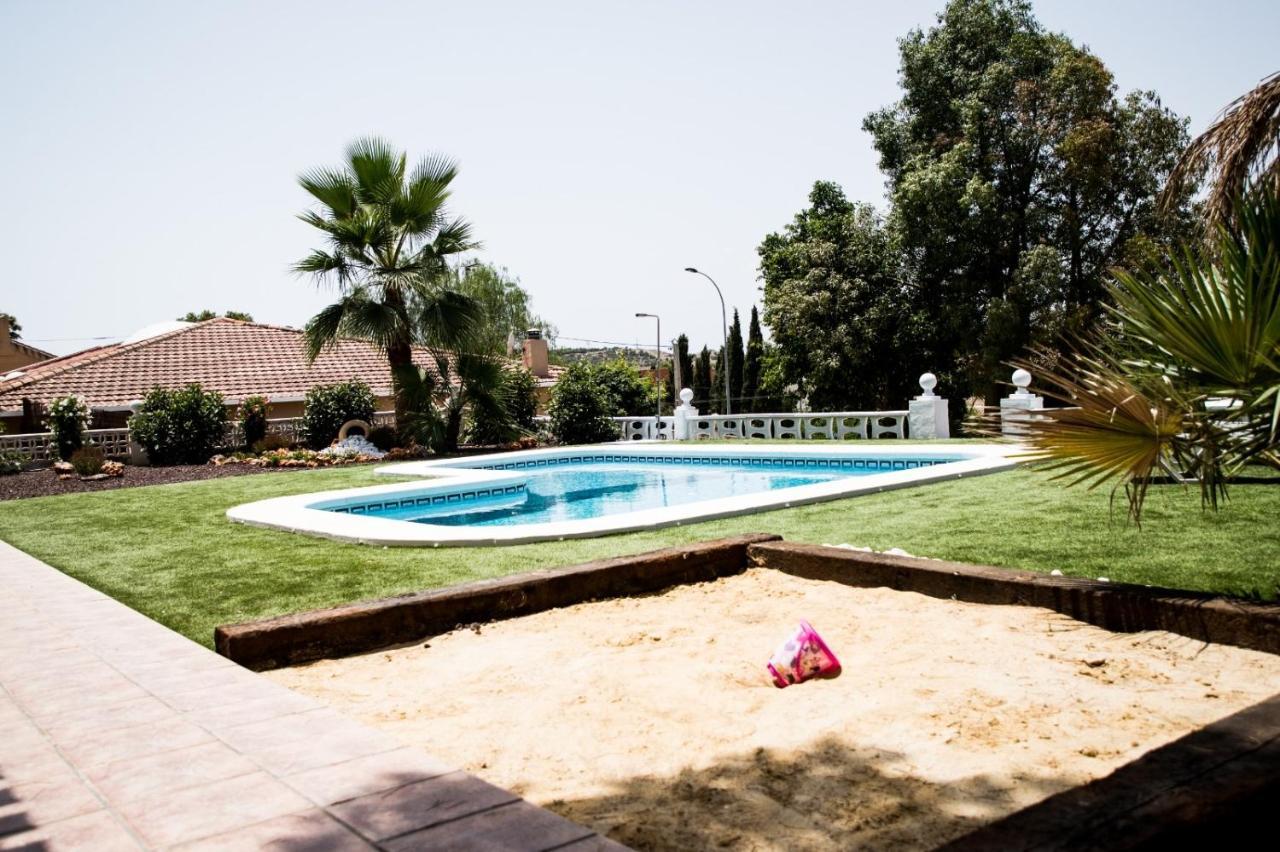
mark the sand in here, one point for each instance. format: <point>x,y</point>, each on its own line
<point>651,719</point>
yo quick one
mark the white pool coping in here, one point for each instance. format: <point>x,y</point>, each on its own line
<point>306,513</point>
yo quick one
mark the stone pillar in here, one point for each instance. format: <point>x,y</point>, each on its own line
<point>685,412</point>
<point>928,412</point>
<point>1016,408</point>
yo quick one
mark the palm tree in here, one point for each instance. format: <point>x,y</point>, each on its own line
<point>1188,382</point>
<point>1240,151</point>
<point>389,239</point>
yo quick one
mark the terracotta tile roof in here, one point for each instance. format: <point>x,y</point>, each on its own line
<point>237,359</point>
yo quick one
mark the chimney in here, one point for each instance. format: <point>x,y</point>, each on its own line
<point>535,354</point>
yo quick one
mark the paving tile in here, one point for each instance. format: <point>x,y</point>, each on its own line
<point>246,711</point>
<point>14,667</point>
<point>420,805</point>
<point>37,803</point>
<point>135,741</point>
<point>172,817</point>
<point>75,725</point>
<point>309,831</point>
<point>28,756</point>
<point>94,832</point>
<point>213,689</point>
<point>68,698</point>
<point>518,826</point>
<point>131,779</point>
<point>305,741</point>
<point>365,775</point>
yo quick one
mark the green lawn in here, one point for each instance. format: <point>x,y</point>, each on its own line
<point>169,552</point>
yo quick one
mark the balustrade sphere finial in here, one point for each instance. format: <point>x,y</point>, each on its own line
<point>1022,379</point>
<point>686,395</point>
<point>927,383</point>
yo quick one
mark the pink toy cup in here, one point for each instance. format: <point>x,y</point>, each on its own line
<point>803,656</point>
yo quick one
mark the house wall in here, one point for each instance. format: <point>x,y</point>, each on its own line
<point>13,355</point>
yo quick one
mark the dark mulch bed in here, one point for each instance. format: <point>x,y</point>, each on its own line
<point>41,483</point>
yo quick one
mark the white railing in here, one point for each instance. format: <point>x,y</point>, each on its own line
<point>38,446</point>
<point>832,425</point>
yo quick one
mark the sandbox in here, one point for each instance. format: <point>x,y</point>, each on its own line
<point>651,719</point>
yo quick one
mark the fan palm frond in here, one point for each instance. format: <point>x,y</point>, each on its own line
<point>1239,151</point>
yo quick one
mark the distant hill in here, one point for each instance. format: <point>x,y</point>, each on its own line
<point>634,357</point>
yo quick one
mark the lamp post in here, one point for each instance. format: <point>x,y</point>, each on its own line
<point>724,326</point>
<point>657,375</point>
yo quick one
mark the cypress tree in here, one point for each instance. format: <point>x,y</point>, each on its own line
<point>735,363</point>
<point>717,383</point>
<point>681,357</point>
<point>702,382</point>
<point>751,364</point>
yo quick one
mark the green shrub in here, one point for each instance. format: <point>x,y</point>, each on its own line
<point>384,437</point>
<point>68,419</point>
<point>581,406</point>
<point>632,396</point>
<point>11,462</point>
<point>519,395</point>
<point>87,461</point>
<point>329,406</point>
<point>179,426</point>
<point>271,443</point>
<point>253,419</point>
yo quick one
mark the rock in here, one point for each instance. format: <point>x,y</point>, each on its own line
<point>113,468</point>
<point>1055,573</point>
<point>97,477</point>
<point>61,467</point>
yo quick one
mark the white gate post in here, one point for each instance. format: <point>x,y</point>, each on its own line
<point>928,412</point>
<point>685,412</point>
<point>1016,408</point>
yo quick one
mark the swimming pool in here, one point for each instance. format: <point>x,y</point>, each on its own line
<point>575,492</point>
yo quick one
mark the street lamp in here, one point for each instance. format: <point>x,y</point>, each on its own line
<point>657,375</point>
<point>724,326</point>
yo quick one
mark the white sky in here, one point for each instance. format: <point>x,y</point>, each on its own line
<point>149,150</point>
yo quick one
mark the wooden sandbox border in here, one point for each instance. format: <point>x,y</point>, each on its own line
<point>1219,782</point>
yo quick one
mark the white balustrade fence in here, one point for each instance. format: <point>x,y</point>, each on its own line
<point>832,425</point>
<point>115,443</point>
<point>38,446</point>
<point>829,425</point>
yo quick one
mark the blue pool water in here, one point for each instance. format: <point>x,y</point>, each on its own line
<point>576,489</point>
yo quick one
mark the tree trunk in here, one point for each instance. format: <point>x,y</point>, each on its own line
<point>399,355</point>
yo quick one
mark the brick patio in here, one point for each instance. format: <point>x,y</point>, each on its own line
<point>117,733</point>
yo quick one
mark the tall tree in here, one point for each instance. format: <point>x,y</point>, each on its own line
<point>751,364</point>
<point>681,357</point>
<point>735,362</point>
<point>717,381</point>
<point>15,328</point>
<point>702,381</point>
<point>844,317</point>
<point>507,306</point>
<point>1018,177</point>
<point>390,237</point>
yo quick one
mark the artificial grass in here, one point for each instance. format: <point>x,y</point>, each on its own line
<point>169,551</point>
